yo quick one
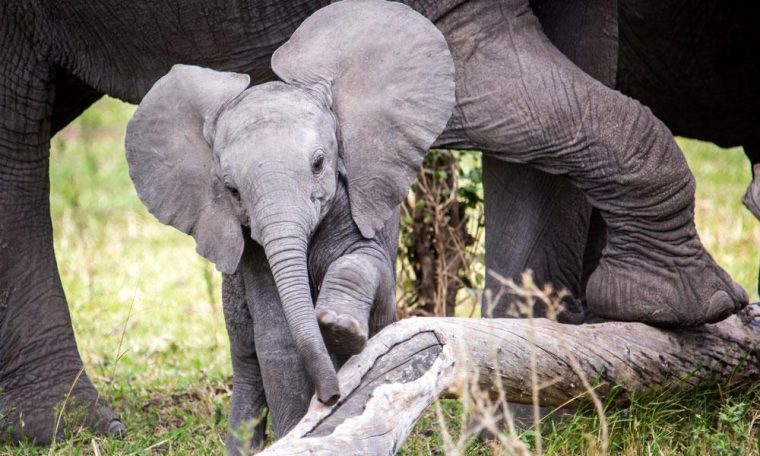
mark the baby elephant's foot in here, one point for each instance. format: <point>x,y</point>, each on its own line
<point>682,291</point>
<point>343,333</point>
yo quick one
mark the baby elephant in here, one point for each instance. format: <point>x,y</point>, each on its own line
<point>352,279</point>
<point>291,188</point>
<point>208,153</point>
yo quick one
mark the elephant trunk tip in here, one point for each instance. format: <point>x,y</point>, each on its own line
<point>328,391</point>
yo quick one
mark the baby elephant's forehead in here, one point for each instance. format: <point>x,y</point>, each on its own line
<point>275,116</point>
<point>277,102</point>
<point>275,110</point>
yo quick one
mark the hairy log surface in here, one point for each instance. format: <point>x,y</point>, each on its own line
<point>410,364</point>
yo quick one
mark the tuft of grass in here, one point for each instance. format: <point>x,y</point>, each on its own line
<point>711,421</point>
<point>147,316</point>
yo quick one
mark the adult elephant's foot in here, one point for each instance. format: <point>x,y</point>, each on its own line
<point>41,408</point>
<point>662,290</point>
<point>43,417</point>
<point>44,390</point>
<point>343,333</point>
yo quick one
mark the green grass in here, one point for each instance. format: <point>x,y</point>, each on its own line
<point>147,315</point>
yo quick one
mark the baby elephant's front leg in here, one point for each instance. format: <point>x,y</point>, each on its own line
<point>356,300</point>
<point>247,414</point>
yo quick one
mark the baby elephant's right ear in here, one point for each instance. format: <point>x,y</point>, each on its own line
<point>168,146</point>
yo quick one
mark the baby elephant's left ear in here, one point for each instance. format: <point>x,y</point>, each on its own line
<point>389,76</point>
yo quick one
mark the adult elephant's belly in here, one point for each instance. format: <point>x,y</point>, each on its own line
<point>695,66</point>
<point>106,43</point>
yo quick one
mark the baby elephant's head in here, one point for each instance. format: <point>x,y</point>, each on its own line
<point>276,155</point>
<point>366,87</point>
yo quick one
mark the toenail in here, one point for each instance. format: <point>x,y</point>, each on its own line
<point>721,306</point>
<point>116,428</point>
<point>347,321</point>
<point>743,297</point>
<point>326,317</point>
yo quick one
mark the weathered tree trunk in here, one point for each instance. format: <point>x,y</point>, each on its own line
<point>410,364</point>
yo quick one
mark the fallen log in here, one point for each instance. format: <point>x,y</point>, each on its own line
<point>412,363</point>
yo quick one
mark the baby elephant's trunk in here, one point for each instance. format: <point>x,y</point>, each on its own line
<point>285,244</point>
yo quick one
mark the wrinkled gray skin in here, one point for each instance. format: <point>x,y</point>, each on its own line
<point>59,57</point>
<point>355,299</point>
<point>694,67</point>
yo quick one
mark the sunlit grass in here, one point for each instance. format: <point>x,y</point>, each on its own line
<point>147,315</point>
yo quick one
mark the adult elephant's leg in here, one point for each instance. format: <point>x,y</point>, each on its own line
<point>534,221</point>
<point>592,254</point>
<point>287,385</point>
<point>248,404</point>
<point>39,360</point>
<point>752,196</point>
<point>518,94</point>
<point>585,32</point>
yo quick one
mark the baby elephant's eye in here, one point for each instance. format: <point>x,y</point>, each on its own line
<point>233,191</point>
<point>318,163</point>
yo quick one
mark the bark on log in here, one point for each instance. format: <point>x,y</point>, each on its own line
<point>410,364</point>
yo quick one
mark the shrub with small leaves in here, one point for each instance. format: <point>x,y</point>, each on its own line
<point>440,248</point>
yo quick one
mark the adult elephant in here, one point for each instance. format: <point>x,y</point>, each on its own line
<point>56,58</point>
<point>518,98</point>
<point>695,66</point>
